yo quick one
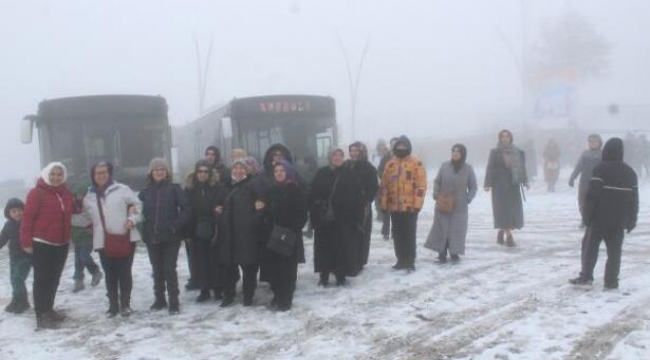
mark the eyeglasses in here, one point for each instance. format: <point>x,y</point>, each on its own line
<point>202,171</point>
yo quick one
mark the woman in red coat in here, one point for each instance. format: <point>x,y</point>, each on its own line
<point>45,233</point>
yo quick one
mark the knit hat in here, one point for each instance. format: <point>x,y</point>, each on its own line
<point>157,163</point>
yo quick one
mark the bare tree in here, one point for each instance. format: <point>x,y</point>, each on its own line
<point>571,43</point>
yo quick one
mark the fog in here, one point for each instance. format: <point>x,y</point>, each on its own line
<point>433,68</point>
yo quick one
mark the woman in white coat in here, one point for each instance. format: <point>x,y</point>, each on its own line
<point>113,209</point>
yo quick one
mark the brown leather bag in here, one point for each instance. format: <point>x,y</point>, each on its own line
<point>445,203</point>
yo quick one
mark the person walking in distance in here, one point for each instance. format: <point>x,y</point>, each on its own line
<point>505,175</point>
<point>588,160</point>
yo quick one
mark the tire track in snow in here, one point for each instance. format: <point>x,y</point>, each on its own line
<point>599,342</point>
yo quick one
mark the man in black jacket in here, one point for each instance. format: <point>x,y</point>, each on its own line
<point>612,206</point>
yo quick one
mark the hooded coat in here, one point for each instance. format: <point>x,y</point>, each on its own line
<point>336,245</point>
<point>613,196</point>
<point>404,182</point>
<point>450,230</point>
<point>48,211</point>
<point>11,230</point>
<point>504,175</point>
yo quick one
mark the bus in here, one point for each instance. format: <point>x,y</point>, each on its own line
<point>127,130</point>
<point>306,124</point>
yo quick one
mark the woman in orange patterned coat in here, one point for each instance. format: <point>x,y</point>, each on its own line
<point>403,187</point>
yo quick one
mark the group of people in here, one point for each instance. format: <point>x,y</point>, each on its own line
<point>245,222</point>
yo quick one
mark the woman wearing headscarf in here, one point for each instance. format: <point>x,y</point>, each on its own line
<point>336,245</point>
<point>204,193</point>
<point>366,175</point>
<point>113,209</point>
<point>45,232</point>
<point>505,175</point>
<point>238,241</point>
<point>166,212</point>
<point>286,207</point>
<point>455,181</point>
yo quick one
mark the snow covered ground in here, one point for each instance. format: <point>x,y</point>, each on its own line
<point>497,303</point>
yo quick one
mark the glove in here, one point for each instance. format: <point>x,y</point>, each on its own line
<point>571,182</point>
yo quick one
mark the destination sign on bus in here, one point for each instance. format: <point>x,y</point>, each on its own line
<point>284,107</point>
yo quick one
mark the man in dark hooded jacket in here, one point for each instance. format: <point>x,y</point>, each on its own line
<point>366,176</point>
<point>612,206</point>
<point>213,157</point>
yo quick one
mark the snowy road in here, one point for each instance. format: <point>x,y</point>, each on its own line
<point>497,303</point>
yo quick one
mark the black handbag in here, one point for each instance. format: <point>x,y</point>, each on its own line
<point>282,240</point>
<point>205,230</point>
<point>323,213</point>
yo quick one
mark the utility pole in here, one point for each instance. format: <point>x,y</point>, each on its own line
<point>353,81</point>
<point>202,72</point>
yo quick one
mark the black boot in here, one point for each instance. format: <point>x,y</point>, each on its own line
<point>125,305</point>
<point>11,308</point>
<point>203,296</point>
<point>400,265</point>
<point>324,279</point>
<point>46,322</point>
<point>22,304</point>
<point>113,308</point>
<point>227,301</point>
<point>581,281</point>
<point>442,257</point>
<point>174,306</point>
<point>159,304</point>
<point>500,239</point>
<point>455,258</point>
<point>340,280</point>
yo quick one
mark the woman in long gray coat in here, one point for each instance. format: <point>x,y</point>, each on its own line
<point>505,175</point>
<point>449,230</point>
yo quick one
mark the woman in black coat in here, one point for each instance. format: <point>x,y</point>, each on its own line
<point>205,194</point>
<point>505,175</point>
<point>166,213</point>
<point>286,206</point>
<point>336,243</point>
<point>238,241</point>
<point>366,175</point>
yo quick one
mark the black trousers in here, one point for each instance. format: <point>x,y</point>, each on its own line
<point>189,253</point>
<point>231,277</point>
<point>49,261</point>
<point>404,227</point>
<point>117,272</point>
<point>283,274</point>
<point>591,244</point>
<point>364,236</point>
<point>385,225</point>
<point>202,258</point>
<point>163,258</point>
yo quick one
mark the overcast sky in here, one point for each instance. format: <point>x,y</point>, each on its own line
<point>431,63</point>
